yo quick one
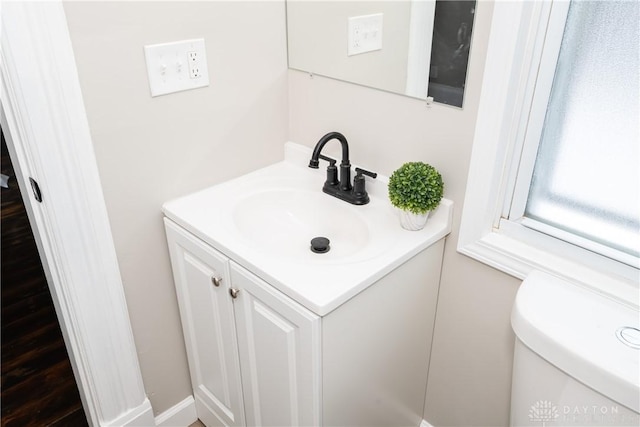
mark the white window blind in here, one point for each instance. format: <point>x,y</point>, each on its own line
<point>586,179</point>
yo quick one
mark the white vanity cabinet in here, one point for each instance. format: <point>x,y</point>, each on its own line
<point>258,358</point>
<point>253,352</point>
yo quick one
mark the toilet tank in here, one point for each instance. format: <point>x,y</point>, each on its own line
<point>577,357</point>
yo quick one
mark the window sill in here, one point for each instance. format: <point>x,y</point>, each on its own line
<point>518,259</point>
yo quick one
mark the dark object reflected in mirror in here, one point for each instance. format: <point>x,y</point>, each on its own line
<point>452,30</point>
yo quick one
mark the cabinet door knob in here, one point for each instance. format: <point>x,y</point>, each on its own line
<point>234,292</point>
<point>216,281</point>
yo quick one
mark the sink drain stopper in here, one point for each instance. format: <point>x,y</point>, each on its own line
<point>320,245</point>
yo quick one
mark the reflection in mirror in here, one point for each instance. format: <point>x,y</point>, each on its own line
<point>452,28</point>
<point>385,44</point>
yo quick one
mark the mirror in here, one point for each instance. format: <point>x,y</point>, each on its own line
<point>416,48</point>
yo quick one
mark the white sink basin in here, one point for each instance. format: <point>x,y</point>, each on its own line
<point>265,221</point>
<point>283,222</point>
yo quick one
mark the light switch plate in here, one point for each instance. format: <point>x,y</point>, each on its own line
<point>365,34</point>
<point>176,66</point>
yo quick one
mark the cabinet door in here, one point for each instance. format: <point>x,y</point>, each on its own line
<point>279,344</point>
<point>202,283</point>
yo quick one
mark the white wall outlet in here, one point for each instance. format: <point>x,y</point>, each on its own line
<point>365,34</point>
<point>194,65</point>
<point>177,66</point>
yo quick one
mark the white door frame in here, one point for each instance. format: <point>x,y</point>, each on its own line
<point>42,113</point>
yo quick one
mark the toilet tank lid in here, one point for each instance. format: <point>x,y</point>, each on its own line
<point>576,329</point>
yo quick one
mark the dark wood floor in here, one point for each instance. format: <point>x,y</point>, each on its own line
<point>38,387</point>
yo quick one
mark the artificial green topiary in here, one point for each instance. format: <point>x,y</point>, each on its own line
<point>416,187</point>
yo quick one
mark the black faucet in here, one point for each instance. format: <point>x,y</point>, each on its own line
<point>342,189</point>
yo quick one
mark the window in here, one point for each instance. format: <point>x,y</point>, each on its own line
<point>585,186</point>
<point>565,146</point>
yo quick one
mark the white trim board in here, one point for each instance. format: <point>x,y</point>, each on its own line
<point>419,55</point>
<point>180,414</point>
<point>48,137</point>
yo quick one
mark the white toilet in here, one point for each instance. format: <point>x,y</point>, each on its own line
<point>577,357</point>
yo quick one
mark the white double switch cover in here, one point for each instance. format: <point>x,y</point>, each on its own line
<point>176,66</point>
<point>365,34</point>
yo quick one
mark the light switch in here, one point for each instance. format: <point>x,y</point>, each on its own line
<point>365,34</point>
<point>177,66</point>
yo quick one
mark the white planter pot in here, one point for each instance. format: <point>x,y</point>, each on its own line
<point>411,221</point>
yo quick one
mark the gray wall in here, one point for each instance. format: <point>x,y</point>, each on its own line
<point>150,150</point>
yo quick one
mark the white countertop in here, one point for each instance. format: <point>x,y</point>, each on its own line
<point>320,282</point>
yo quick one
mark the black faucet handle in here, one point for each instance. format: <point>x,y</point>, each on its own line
<point>314,163</point>
<point>332,171</point>
<point>332,162</point>
<point>360,195</point>
<point>360,172</point>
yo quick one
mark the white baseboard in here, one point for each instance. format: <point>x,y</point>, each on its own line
<point>140,416</point>
<point>183,414</point>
